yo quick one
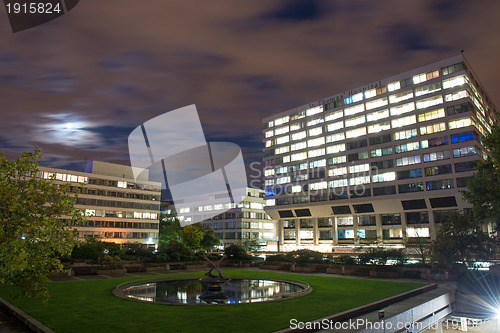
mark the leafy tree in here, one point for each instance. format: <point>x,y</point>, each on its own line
<point>306,256</point>
<point>460,239</point>
<point>483,190</point>
<point>192,236</point>
<point>236,251</point>
<point>209,241</point>
<point>94,249</point>
<point>418,246</point>
<point>33,233</point>
<point>176,251</point>
<point>136,250</point>
<point>169,229</point>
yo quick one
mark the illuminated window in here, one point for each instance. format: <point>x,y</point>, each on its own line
<point>299,136</point>
<point>337,160</point>
<point>282,150</point>
<point>400,109</point>
<point>314,110</point>
<point>337,172</point>
<point>379,127</point>
<point>286,159</point>
<point>269,182</point>
<point>410,146</point>
<point>459,123</point>
<point>270,202</point>
<point>417,232</point>
<point>425,77</point>
<point>335,148</point>
<point>359,180</point>
<point>353,99</point>
<point>282,130</point>
<point>315,121</point>
<point>436,156</point>
<point>298,115</point>
<point>456,95</point>
<point>269,143</point>
<point>430,115</point>
<point>316,152</point>
<point>381,152</point>
<point>281,121</point>
<point>335,126</point>
<point>454,81</point>
<point>299,156</point>
<point>316,142</point>
<point>283,180</point>
<point>359,168</point>
<point>338,183</point>
<point>122,184</point>
<point>428,102</point>
<point>318,186</point>
<point>405,121</point>
<point>434,128</point>
<point>376,103</point>
<point>384,177</point>
<point>374,116</point>
<point>334,115</point>
<point>402,96</point>
<point>466,151</point>
<point>354,109</point>
<point>439,184</point>
<point>268,172</point>
<point>317,164</point>
<point>270,124</point>
<point>393,86</point>
<point>375,92</point>
<point>296,188</point>
<point>335,137</point>
<point>298,145</point>
<point>283,139</point>
<point>315,131</point>
<point>428,89</point>
<point>355,132</point>
<point>268,134</point>
<point>296,126</point>
<point>408,160</point>
<point>355,121</point>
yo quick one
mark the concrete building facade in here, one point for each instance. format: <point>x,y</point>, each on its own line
<point>380,163</point>
<point>117,208</point>
<point>237,222</point>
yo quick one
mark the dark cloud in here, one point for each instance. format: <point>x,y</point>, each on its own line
<point>406,37</point>
<point>297,11</point>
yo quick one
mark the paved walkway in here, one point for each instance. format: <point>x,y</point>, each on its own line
<point>10,324</point>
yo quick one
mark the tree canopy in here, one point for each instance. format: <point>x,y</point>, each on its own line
<point>460,239</point>
<point>36,220</point>
<point>483,190</point>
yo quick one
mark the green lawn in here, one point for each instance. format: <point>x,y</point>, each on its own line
<point>90,306</point>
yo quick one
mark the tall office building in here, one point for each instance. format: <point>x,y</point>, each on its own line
<point>385,161</point>
<point>117,208</point>
<point>237,222</point>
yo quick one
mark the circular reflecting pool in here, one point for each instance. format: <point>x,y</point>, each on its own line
<point>192,291</point>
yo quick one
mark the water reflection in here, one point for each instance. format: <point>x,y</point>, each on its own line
<point>192,291</point>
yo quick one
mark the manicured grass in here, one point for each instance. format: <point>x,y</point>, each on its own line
<point>90,306</point>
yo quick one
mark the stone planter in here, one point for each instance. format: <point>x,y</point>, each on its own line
<point>340,270</point>
<point>116,271</point>
<point>160,269</point>
<point>383,274</point>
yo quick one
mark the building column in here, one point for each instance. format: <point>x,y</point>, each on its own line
<point>355,229</point>
<point>335,239</point>
<point>315,232</point>
<point>403,227</point>
<point>432,225</point>
<point>297,232</point>
<point>378,225</point>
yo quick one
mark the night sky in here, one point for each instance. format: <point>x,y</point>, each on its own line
<point>77,86</point>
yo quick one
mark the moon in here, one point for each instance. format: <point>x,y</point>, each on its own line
<point>69,126</point>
